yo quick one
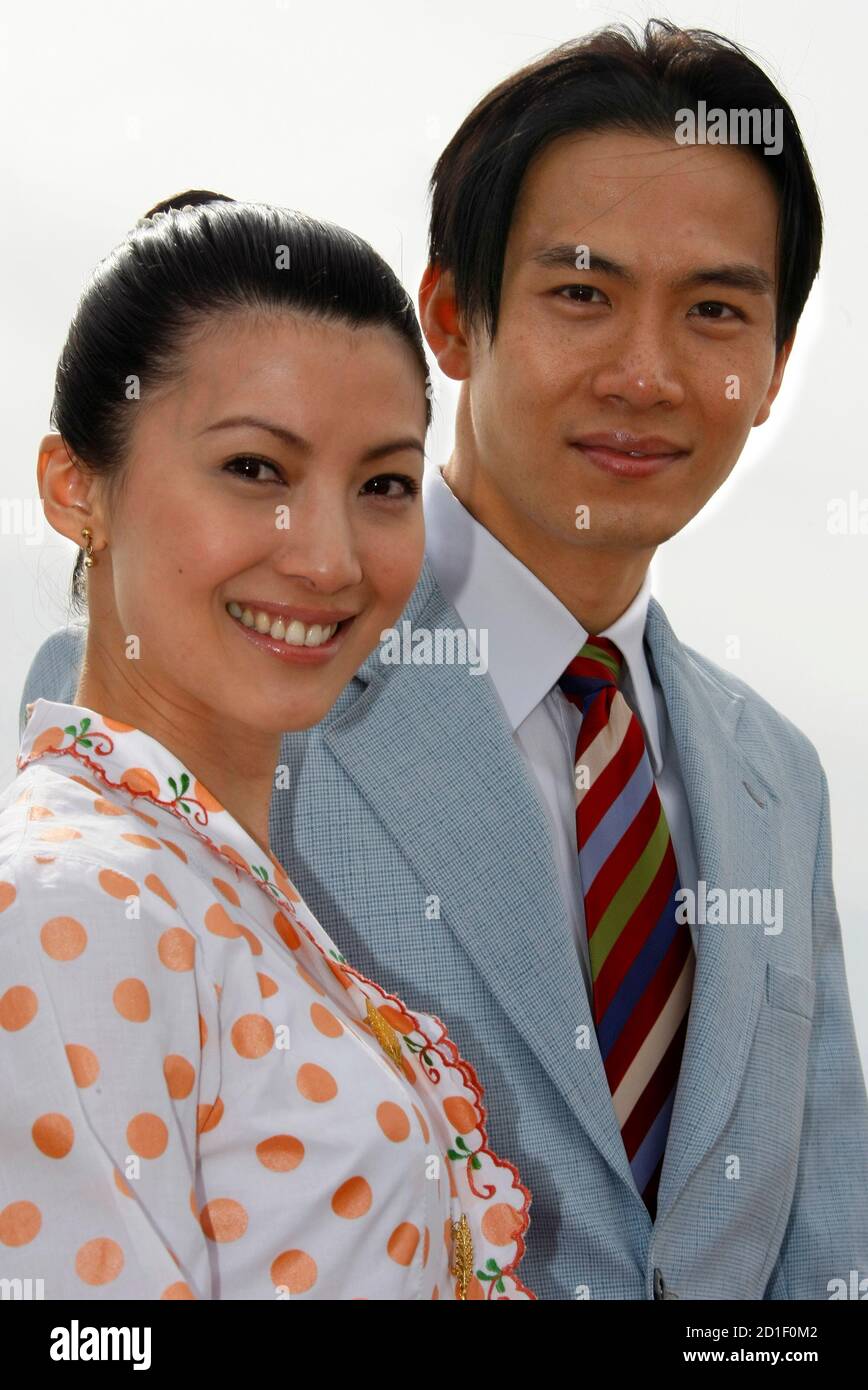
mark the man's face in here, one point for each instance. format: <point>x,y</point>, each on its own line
<point>671,356</point>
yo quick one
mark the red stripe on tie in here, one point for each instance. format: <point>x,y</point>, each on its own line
<point>651,1101</point>
<point>647,1010</point>
<point>605,788</point>
<point>620,864</point>
<point>635,933</point>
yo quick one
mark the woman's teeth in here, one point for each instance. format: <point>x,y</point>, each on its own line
<point>294,634</point>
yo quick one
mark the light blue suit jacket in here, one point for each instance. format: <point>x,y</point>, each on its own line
<point>411,799</point>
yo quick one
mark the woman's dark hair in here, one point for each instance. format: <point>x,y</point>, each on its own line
<point>196,255</point>
<point>611,79</point>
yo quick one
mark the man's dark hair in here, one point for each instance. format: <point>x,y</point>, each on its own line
<point>611,79</point>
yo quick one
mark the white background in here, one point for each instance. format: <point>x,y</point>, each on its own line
<point>341,110</point>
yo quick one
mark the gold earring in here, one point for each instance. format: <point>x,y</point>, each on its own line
<point>88,555</point>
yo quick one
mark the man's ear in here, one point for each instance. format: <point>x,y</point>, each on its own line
<point>765,409</point>
<point>438,314</point>
<point>67,490</point>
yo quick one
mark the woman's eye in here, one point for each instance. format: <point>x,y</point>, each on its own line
<point>379,486</point>
<point>251,461</point>
<point>572,290</point>
<point>716,304</point>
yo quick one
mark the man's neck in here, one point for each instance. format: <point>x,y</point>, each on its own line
<point>595,583</point>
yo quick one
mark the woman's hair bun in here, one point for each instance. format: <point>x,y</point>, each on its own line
<point>192,198</point>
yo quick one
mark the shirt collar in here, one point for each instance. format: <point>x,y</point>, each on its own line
<point>532,636</point>
<point>143,770</point>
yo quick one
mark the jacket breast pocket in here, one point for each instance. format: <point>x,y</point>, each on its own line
<point>787,990</point>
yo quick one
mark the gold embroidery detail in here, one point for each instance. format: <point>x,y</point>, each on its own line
<point>384,1033</point>
<point>462,1245</point>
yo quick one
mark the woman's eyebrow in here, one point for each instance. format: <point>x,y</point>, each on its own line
<point>297,441</point>
<point>737,275</point>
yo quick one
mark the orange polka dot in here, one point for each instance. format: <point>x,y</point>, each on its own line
<point>252,1035</point>
<point>117,885</point>
<point>315,1083</point>
<point>147,1135</point>
<point>339,973</point>
<point>177,949</point>
<point>461,1114</point>
<point>223,1220</point>
<point>309,979</point>
<point>352,1199</point>
<point>436,1293</point>
<point>116,726</point>
<point>83,1064</point>
<point>49,738</point>
<point>325,1022</point>
<point>176,849</point>
<point>132,1001</point>
<point>56,834</point>
<point>218,921</point>
<point>398,1020</point>
<point>402,1243</point>
<point>157,886</point>
<point>284,884</point>
<point>39,813</point>
<point>227,890</point>
<point>7,895</point>
<point>179,1075</point>
<point>177,1291</point>
<point>294,1270</point>
<point>53,1135</point>
<point>450,1173</point>
<point>393,1121</point>
<point>447,1234</point>
<point>83,782</point>
<point>281,1153</point>
<point>203,1031</point>
<point>475,1291</point>
<point>286,931</point>
<point>18,1007</point>
<point>99,1261</point>
<point>501,1224</point>
<point>252,940</point>
<point>140,781</point>
<point>234,856</point>
<point>107,808</point>
<point>148,820</point>
<point>122,1185</point>
<point>44,858</point>
<point>426,1246</point>
<point>267,986</point>
<point>63,938</point>
<point>194,1209</point>
<point>209,1116</point>
<point>407,1069</point>
<point>143,841</point>
<point>423,1123</point>
<point>20,1223</point>
<point>210,802</point>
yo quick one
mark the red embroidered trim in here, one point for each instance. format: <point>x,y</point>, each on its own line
<point>455,1063</point>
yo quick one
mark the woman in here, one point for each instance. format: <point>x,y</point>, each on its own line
<point>202,1098</point>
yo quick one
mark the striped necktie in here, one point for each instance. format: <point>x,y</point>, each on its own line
<point>642,960</point>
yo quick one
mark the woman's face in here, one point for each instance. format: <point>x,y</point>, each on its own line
<point>275,482</point>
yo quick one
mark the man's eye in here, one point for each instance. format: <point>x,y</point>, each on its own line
<point>573,290</point>
<point>716,304</point>
<point>251,461</point>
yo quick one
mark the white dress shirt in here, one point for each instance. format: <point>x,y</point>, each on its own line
<point>532,638</point>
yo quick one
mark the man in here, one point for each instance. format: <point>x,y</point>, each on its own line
<point>563,856</point>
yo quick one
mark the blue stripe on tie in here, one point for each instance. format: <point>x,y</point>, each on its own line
<point>634,983</point>
<point>615,823</point>
<point>647,1156</point>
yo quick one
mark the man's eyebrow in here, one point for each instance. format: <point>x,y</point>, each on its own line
<point>297,441</point>
<point>736,275</point>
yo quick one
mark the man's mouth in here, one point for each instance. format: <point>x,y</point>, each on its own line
<point>630,456</point>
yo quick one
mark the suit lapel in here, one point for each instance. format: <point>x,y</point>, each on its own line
<point>419,745</point>
<point>735,839</point>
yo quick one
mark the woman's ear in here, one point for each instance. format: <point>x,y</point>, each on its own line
<point>68,492</point>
